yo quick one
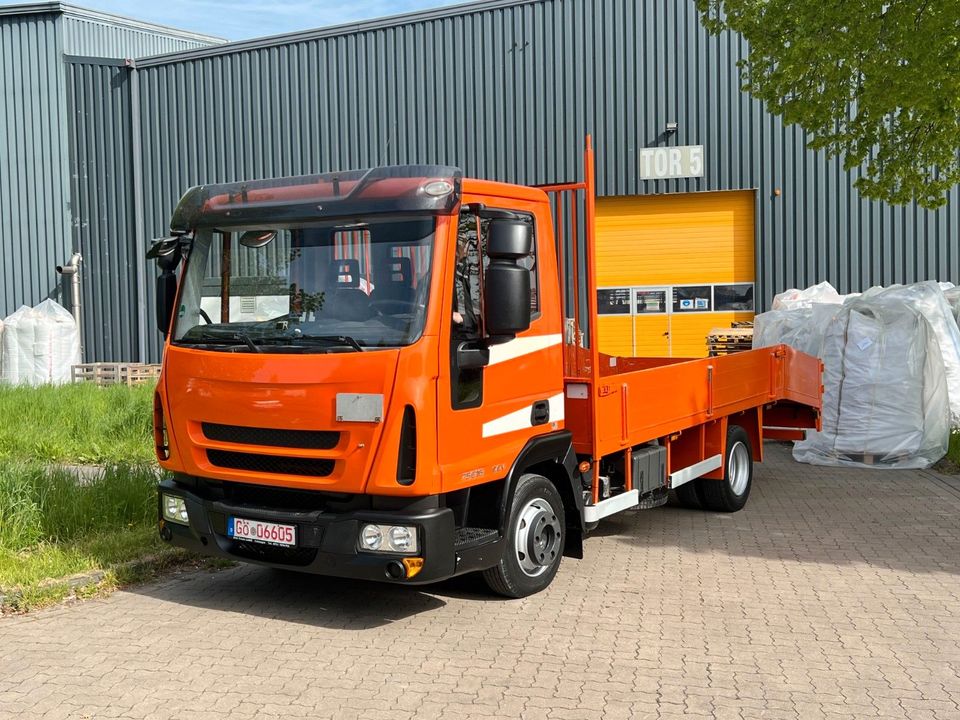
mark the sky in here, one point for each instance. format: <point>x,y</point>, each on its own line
<point>243,19</point>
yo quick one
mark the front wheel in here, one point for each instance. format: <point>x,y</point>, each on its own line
<point>534,542</point>
<point>731,493</point>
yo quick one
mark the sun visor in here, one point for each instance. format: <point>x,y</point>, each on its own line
<point>311,198</point>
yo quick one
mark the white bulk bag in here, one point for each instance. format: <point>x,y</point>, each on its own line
<point>17,326</point>
<point>793,298</point>
<point>40,345</point>
<point>802,328</point>
<point>929,300</point>
<point>952,296</point>
<point>885,402</point>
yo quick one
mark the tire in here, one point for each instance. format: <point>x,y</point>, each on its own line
<point>731,493</point>
<point>687,496</point>
<point>533,546</point>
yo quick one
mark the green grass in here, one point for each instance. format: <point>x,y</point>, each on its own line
<point>953,452</point>
<point>48,505</point>
<point>77,423</point>
<point>53,527</point>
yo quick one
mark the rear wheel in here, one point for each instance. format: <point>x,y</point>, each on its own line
<point>731,493</point>
<point>686,496</point>
<point>534,542</point>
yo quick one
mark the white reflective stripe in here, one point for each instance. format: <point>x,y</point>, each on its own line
<point>691,472</point>
<point>605,508</point>
<point>518,347</point>
<point>557,405</point>
<point>522,419</point>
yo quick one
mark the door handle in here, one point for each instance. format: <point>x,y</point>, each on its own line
<point>667,334</point>
<point>540,413</point>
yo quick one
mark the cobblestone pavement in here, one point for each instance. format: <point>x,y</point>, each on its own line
<point>836,593</point>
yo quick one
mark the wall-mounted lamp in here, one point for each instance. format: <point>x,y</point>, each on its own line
<point>671,128</point>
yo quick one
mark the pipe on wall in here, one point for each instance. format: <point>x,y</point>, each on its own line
<point>72,270</point>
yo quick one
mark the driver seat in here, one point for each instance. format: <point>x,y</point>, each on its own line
<point>395,281</point>
<point>346,300</point>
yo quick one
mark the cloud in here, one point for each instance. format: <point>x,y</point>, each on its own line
<point>242,19</point>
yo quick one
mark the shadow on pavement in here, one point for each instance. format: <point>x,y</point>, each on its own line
<point>904,520</point>
<point>294,597</point>
<point>313,600</point>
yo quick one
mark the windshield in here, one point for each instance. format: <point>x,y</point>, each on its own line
<point>343,286</point>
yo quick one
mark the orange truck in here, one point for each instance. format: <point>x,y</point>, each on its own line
<point>394,375</point>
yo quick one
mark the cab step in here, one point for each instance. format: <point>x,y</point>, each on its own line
<point>468,537</point>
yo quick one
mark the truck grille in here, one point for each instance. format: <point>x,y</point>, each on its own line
<point>274,464</point>
<point>272,437</point>
<point>273,497</point>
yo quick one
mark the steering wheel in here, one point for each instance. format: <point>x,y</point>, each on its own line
<point>203,314</point>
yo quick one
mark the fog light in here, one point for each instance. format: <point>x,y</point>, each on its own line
<point>175,509</point>
<point>371,537</point>
<point>389,538</point>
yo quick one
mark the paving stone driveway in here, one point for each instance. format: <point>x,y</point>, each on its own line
<point>834,594</point>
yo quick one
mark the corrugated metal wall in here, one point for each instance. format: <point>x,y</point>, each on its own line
<point>508,91</point>
<point>34,166</point>
<point>50,199</point>
<point>89,35</point>
<point>103,219</point>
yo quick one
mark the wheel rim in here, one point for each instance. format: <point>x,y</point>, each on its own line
<point>537,538</point>
<point>738,468</point>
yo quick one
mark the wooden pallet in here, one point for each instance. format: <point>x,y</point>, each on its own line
<point>723,341</point>
<point>115,373</point>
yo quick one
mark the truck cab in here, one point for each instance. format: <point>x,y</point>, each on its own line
<point>372,374</point>
<point>351,359</point>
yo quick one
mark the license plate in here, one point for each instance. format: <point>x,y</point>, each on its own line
<point>262,532</point>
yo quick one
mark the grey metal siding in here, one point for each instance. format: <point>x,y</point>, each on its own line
<point>95,37</point>
<point>508,91</point>
<point>38,169</point>
<point>103,220</point>
<point>34,166</point>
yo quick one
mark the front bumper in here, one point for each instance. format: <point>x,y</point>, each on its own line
<point>326,542</point>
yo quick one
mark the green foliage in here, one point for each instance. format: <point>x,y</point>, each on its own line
<point>877,81</point>
<point>77,423</point>
<point>953,452</point>
<point>53,526</point>
<point>44,505</point>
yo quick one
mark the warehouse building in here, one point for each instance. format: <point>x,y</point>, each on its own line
<point>42,187</point>
<point>708,206</point>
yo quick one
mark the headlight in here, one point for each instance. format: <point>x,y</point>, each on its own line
<point>371,537</point>
<point>401,538</point>
<point>388,538</point>
<point>175,509</point>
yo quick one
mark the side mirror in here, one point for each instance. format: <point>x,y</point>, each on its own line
<point>506,286</point>
<point>255,239</point>
<point>509,239</point>
<point>506,293</point>
<point>167,253</point>
<point>166,297</point>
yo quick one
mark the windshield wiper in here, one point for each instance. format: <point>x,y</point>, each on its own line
<point>248,341</point>
<point>234,336</point>
<point>329,340</point>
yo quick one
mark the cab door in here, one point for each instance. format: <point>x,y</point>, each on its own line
<point>487,414</point>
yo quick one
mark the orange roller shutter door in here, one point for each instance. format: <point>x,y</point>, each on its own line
<point>664,241</point>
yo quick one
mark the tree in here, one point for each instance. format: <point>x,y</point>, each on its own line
<point>875,81</point>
